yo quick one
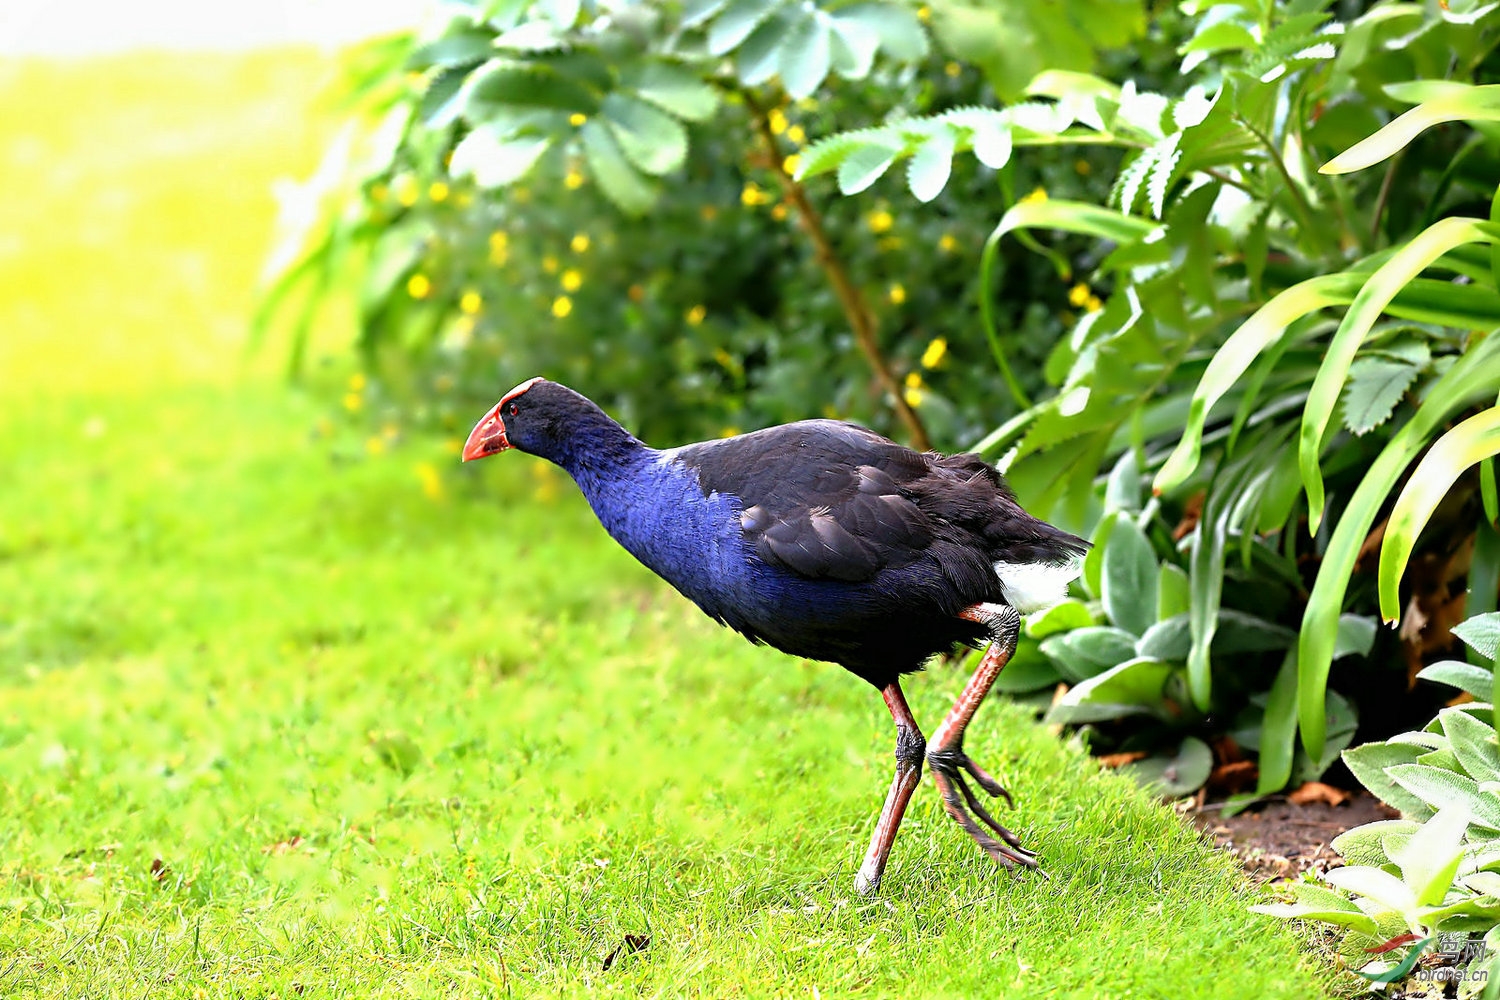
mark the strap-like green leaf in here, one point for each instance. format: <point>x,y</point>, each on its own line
<point>1454,453</point>
<point>1470,104</point>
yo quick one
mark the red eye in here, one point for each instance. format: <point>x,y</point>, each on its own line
<point>514,409</point>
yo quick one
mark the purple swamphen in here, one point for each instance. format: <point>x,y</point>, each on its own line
<point>827,541</point>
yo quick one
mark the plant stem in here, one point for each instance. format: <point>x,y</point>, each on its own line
<point>856,309</point>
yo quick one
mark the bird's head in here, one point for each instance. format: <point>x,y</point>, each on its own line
<point>538,417</point>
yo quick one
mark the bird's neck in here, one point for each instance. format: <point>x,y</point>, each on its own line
<point>598,453</point>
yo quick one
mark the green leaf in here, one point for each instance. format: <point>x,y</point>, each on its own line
<point>1481,633</point>
<point>1177,774</point>
<point>1135,687</point>
<point>675,89</point>
<point>696,12</point>
<point>1206,582</point>
<point>1369,763</point>
<point>806,55</point>
<point>854,45</point>
<point>1365,845</point>
<point>1456,451</point>
<point>898,28</point>
<point>1472,104</point>
<point>758,59</point>
<point>651,139</point>
<point>864,167</point>
<point>1478,681</point>
<point>1238,353</point>
<point>1473,743</point>
<point>1374,883</point>
<point>1129,578</point>
<point>927,172</point>
<point>1085,652</point>
<point>1430,859</point>
<point>616,177</point>
<point>1172,594</point>
<point>1375,386</point>
<point>1356,636</point>
<point>1467,381</point>
<point>1278,728</point>
<point>735,22</point>
<point>1439,787</point>
<point>1062,617</point>
<point>494,161</point>
<point>1122,491</point>
<point>506,85</point>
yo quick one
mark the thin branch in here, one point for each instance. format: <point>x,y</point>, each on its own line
<point>856,309</point>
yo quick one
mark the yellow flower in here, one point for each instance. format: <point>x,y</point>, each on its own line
<point>879,221</point>
<point>357,382</point>
<point>696,315</point>
<point>352,402</point>
<point>573,181</point>
<point>418,286</point>
<point>406,190</point>
<point>897,293</point>
<point>807,104</point>
<point>947,243</point>
<point>499,247</point>
<point>952,69</point>
<point>729,432</point>
<point>794,133</point>
<point>709,213</point>
<point>571,280</point>
<point>778,212</point>
<point>924,13</point>
<point>1038,194</point>
<point>438,191</point>
<point>579,243</point>
<point>777,120</point>
<point>752,195</point>
<point>912,396</point>
<point>470,302</point>
<point>914,380</point>
<point>432,482</point>
<point>549,264</point>
<point>463,199</point>
<point>378,192</point>
<point>889,243</point>
<point>791,163</point>
<point>577,118</point>
<point>1083,167</point>
<point>1092,304</point>
<point>933,356</point>
<point>635,293</point>
<point>461,333</point>
<point>561,306</point>
<point>375,446</point>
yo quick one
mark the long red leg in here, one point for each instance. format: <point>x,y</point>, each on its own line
<point>946,754</point>
<point>909,756</point>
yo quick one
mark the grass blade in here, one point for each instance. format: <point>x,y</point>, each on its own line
<point>1476,438</point>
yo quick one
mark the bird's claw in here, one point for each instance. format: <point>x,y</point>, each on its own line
<point>947,764</point>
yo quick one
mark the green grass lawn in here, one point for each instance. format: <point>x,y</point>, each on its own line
<point>283,718</point>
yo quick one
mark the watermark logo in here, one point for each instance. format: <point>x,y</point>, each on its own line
<point>1459,959</point>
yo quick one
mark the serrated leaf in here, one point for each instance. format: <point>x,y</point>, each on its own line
<point>464,47</point>
<point>1163,172</point>
<point>562,13</point>
<point>927,172</point>
<point>613,171</point>
<point>441,102</point>
<point>675,89</point>
<point>494,161</point>
<point>900,31</point>
<point>508,85</point>
<point>1375,386</point>
<point>651,139</point>
<point>1478,681</point>
<point>805,55</point>
<point>735,22</point>
<point>864,166</point>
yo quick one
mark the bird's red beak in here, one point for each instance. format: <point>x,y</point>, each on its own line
<point>487,437</point>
